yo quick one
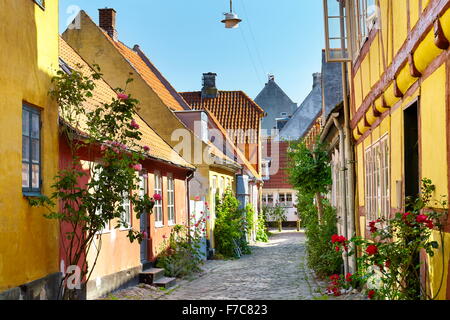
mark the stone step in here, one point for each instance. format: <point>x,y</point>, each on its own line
<point>165,282</point>
<point>151,275</point>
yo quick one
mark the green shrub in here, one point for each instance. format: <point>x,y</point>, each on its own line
<point>262,232</point>
<point>322,256</point>
<point>230,227</point>
<point>180,255</point>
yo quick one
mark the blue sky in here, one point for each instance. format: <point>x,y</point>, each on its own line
<point>184,38</point>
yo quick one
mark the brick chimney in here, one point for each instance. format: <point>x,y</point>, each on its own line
<point>107,21</point>
<point>209,89</point>
<point>317,79</point>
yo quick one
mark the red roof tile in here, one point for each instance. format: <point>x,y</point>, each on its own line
<point>233,109</point>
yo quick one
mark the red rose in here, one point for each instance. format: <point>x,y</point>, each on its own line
<point>157,197</point>
<point>430,224</point>
<point>387,264</point>
<point>371,294</point>
<point>337,249</point>
<point>348,277</point>
<point>334,238</point>
<point>334,277</point>
<point>336,292</point>
<point>372,249</point>
<point>421,218</point>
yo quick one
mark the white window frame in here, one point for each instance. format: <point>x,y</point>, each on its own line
<point>159,217</point>
<point>126,216</point>
<point>377,184</point>
<point>94,175</point>
<point>170,199</point>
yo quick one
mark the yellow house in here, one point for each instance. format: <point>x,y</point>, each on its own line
<point>399,74</point>
<point>163,109</point>
<point>29,243</point>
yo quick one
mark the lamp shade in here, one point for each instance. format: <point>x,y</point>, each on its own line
<point>231,20</point>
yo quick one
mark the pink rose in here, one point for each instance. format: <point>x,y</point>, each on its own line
<point>146,148</point>
<point>134,124</point>
<point>137,167</point>
<point>164,237</point>
<point>157,197</point>
<point>144,234</point>
<point>122,96</point>
<point>197,198</point>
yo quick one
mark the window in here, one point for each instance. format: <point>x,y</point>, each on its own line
<point>41,3</point>
<point>170,199</point>
<point>289,202</point>
<point>126,215</point>
<point>270,200</point>
<point>143,184</point>
<point>284,114</point>
<point>31,150</point>
<point>347,27</point>
<point>222,186</point>
<point>265,169</point>
<point>158,204</point>
<point>377,187</point>
<point>282,199</point>
<point>95,174</point>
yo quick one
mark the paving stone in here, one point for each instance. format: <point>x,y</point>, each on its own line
<point>274,271</point>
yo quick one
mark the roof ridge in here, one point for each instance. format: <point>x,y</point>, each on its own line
<point>161,77</point>
<point>136,113</point>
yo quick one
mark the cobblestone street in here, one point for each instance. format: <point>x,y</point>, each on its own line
<point>274,271</point>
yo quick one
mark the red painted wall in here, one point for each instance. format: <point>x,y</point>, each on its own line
<point>280,159</point>
<point>117,252</point>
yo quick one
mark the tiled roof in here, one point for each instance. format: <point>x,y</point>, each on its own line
<point>151,75</point>
<point>155,80</point>
<point>239,154</point>
<point>233,109</point>
<point>280,160</point>
<point>103,93</point>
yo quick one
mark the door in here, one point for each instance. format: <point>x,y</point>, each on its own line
<point>411,154</point>
<point>144,225</point>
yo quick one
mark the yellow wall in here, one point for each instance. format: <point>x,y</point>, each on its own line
<point>29,243</point>
<point>433,130</point>
<point>431,92</point>
<point>229,179</point>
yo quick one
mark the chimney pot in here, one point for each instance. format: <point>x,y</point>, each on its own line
<point>209,89</point>
<point>317,79</point>
<point>107,21</point>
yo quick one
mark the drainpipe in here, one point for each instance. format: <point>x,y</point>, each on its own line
<point>349,154</point>
<point>188,180</point>
<point>343,187</point>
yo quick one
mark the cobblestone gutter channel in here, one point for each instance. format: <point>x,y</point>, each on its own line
<point>275,270</point>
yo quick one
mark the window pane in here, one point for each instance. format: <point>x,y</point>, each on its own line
<point>25,175</point>
<point>25,123</point>
<point>35,176</point>
<point>25,148</point>
<point>35,126</point>
<point>35,150</point>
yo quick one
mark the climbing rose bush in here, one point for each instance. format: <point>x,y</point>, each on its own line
<point>389,261</point>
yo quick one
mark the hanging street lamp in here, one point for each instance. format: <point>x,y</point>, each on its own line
<point>231,19</point>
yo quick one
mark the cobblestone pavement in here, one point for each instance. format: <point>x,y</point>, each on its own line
<point>274,271</point>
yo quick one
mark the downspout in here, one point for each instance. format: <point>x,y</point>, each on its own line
<point>188,180</point>
<point>343,203</point>
<point>343,187</point>
<point>349,154</point>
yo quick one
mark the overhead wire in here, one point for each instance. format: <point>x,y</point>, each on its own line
<point>247,16</point>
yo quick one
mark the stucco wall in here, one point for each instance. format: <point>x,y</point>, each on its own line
<point>29,58</point>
